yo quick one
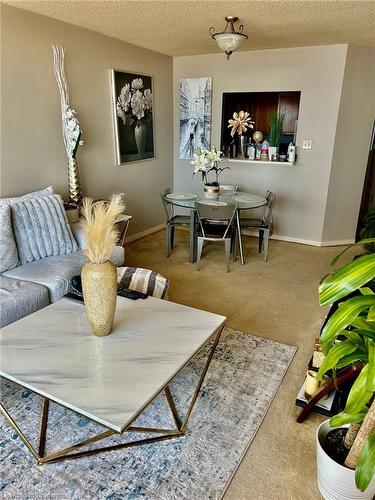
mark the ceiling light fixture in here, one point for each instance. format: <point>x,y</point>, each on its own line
<point>229,40</point>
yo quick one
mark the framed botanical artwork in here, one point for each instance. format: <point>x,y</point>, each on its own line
<point>132,96</point>
<point>195,115</point>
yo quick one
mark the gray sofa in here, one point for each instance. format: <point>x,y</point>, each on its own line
<point>27,288</point>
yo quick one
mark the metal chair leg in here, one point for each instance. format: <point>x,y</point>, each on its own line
<point>172,237</point>
<point>168,239</point>
<point>199,251</point>
<point>260,240</point>
<point>265,244</point>
<point>227,242</point>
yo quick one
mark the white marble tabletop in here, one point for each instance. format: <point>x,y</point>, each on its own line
<point>108,379</point>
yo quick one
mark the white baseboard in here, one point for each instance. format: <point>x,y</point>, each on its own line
<point>251,232</point>
<point>144,233</point>
<point>336,243</point>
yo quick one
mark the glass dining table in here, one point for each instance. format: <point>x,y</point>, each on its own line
<point>188,199</point>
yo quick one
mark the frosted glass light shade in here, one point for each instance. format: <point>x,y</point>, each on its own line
<point>229,42</point>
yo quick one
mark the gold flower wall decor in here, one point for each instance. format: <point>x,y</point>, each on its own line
<point>240,123</point>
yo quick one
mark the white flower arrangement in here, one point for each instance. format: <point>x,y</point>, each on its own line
<point>72,131</point>
<point>134,102</point>
<point>206,161</point>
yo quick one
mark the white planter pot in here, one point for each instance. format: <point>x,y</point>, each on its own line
<point>336,482</point>
<point>272,151</point>
<point>211,192</point>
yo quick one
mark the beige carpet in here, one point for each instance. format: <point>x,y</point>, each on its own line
<point>277,300</point>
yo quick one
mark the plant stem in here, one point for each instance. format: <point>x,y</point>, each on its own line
<point>367,427</point>
<point>351,434</point>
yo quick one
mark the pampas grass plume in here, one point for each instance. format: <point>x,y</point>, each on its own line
<point>98,224</point>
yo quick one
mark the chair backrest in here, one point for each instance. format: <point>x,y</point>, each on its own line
<point>215,214</point>
<point>229,187</point>
<point>168,208</point>
<point>267,215</point>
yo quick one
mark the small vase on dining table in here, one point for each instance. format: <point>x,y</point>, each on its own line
<point>211,191</point>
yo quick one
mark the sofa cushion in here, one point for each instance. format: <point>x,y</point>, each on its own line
<point>52,272</point>
<point>28,196</point>
<point>8,247</point>
<point>41,228</point>
<point>20,298</point>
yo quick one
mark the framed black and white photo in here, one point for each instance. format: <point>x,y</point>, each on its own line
<point>133,116</point>
<point>195,115</point>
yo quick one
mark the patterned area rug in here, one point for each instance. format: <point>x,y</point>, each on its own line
<point>243,378</point>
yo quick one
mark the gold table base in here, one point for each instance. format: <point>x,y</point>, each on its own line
<point>70,452</point>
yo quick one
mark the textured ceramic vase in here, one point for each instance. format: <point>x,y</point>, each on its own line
<point>99,286</point>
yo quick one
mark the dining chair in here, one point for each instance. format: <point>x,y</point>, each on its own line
<point>264,224</point>
<point>172,220</point>
<point>215,224</point>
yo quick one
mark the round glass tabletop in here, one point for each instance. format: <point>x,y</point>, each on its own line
<point>245,201</point>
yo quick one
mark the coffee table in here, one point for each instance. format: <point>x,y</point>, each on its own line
<point>111,380</point>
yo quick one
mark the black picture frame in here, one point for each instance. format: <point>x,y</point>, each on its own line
<point>133,113</point>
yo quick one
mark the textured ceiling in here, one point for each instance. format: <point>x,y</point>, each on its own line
<point>178,28</point>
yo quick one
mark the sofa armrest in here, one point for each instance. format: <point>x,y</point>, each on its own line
<point>77,231</point>
<point>118,253</point>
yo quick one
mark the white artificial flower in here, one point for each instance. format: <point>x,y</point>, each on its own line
<point>137,84</point>
<point>148,99</point>
<point>72,130</point>
<point>138,104</point>
<point>214,156</point>
<point>199,161</point>
<point>123,102</point>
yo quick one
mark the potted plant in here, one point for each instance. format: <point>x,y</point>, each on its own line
<point>276,124</point>
<point>348,339</point>
<point>205,162</point>
<point>99,276</point>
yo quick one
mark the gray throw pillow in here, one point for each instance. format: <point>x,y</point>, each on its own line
<point>41,228</point>
<point>8,248</point>
<point>28,196</point>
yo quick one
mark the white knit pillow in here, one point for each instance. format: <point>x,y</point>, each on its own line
<point>41,228</point>
<point>8,247</point>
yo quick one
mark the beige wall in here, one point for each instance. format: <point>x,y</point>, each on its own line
<point>301,190</point>
<point>32,152</point>
<point>353,135</point>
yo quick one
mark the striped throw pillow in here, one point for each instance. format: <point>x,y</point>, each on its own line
<point>41,228</point>
<point>143,280</point>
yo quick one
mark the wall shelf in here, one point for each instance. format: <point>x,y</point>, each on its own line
<point>260,162</point>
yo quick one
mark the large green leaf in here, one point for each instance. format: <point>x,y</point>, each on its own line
<point>361,243</point>
<point>365,333</point>
<point>365,469</point>
<point>347,418</point>
<point>358,395</point>
<point>371,314</point>
<point>343,317</point>
<point>362,323</point>
<point>347,279</point>
<point>352,359</point>
<point>334,355</point>
<point>370,384</point>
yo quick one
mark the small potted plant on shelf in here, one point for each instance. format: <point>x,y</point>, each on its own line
<point>346,442</point>
<point>207,161</point>
<point>276,124</point>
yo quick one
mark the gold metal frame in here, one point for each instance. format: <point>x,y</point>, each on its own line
<point>69,452</point>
